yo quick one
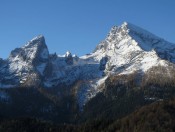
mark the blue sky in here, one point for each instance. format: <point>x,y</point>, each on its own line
<point>79,25</point>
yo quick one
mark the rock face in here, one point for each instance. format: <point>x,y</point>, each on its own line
<point>24,61</point>
<point>103,62</point>
<point>126,49</point>
<point>32,57</point>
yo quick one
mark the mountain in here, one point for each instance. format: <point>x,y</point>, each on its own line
<point>25,63</point>
<point>130,48</point>
<point>129,61</point>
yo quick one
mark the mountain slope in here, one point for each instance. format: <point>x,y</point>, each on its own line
<point>158,116</point>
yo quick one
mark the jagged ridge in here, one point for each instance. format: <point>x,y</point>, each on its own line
<point>126,49</point>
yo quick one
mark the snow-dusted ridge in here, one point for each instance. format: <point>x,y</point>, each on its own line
<point>126,49</point>
<point>130,48</point>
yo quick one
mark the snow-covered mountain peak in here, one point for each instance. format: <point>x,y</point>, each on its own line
<point>142,38</point>
<point>130,48</point>
<point>36,40</point>
<point>124,23</point>
<point>33,49</point>
<point>36,43</point>
<point>117,33</point>
<point>31,58</point>
<point>68,54</point>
